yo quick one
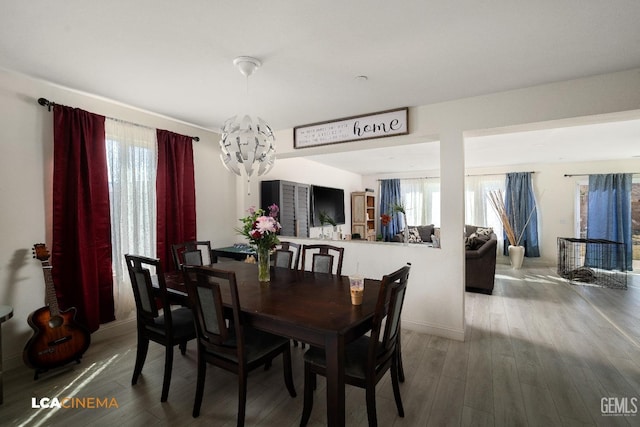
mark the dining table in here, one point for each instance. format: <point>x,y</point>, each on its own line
<point>314,308</point>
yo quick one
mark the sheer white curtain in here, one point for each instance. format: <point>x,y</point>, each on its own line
<point>421,198</point>
<point>132,158</point>
<point>478,210</point>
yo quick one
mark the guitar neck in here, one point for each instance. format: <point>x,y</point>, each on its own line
<point>50,290</point>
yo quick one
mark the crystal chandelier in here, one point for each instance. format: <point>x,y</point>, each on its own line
<point>247,143</point>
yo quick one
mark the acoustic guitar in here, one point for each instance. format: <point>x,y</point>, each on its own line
<point>57,338</point>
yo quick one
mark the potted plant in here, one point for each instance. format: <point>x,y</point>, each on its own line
<point>399,208</point>
<point>261,229</point>
<point>514,235</point>
<point>326,219</point>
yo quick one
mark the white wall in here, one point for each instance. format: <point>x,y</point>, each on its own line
<point>26,144</point>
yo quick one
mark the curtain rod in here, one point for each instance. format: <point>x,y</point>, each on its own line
<point>566,175</point>
<point>479,174</point>
<point>498,173</point>
<point>46,103</point>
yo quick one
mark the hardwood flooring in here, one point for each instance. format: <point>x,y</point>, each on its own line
<point>538,352</point>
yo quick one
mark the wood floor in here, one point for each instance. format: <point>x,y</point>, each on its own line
<point>539,352</point>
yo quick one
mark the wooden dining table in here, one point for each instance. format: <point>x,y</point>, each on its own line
<point>314,308</point>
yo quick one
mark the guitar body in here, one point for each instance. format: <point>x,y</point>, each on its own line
<point>57,340</point>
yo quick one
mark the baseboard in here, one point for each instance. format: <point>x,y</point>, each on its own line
<point>425,328</point>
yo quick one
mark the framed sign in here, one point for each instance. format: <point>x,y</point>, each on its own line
<point>367,126</point>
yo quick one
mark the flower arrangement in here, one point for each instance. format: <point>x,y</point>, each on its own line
<point>260,228</point>
<point>514,234</point>
<point>262,232</point>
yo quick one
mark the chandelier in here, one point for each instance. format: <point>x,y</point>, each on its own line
<point>247,144</point>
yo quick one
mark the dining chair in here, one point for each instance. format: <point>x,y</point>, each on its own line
<point>322,258</point>
<point>229,344</point>
<point>368,358</point>
<point>287,254</point>
<point>173,326</point>
<point>195,252</point>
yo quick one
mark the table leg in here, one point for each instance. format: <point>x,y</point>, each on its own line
<point>334,351</point>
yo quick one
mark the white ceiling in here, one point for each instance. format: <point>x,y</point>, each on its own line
<point>175,58</point>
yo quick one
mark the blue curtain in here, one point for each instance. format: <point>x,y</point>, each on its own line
<point>390,195</point>
<point>519,203</point>
<point>609,218</point>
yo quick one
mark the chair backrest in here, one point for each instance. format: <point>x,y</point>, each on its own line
<point>388,309</point>
<point>146,296</point>
<point>323,257</point>
<point>205,286</point>
<point>282,258</point>
<point>196,252</point>
<point>293,255</point>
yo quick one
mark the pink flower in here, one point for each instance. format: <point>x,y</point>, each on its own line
<point>266,224</point>
<point>251,210</point>
<point>274,210</point>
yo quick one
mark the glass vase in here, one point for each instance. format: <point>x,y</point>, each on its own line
<point>264,264</point>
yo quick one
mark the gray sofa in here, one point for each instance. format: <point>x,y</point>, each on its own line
<point>424,231</point>
<point>480,258</point>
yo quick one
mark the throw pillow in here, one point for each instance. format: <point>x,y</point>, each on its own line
<point>414,235</point>
<point>425,232</point>
<point>484,231</point>
<point>475,241</point>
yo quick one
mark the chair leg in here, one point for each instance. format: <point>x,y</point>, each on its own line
<point>371,403</point>
<point>168,365</point>
<point>242,396</point>
<point>309,381</point>
<point>183,347</point>
<point>396,386</point>
<point>202,373</point>
<point>288,374</point>
<point>399,358</point>
<point>141,356</point>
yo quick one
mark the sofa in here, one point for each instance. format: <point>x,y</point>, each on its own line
<point>480,256</point>
<point>417,234</point>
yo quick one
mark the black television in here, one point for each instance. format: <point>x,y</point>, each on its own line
<point>328,200</point>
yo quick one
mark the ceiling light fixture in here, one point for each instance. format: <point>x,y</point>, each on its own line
<point>244,140</point>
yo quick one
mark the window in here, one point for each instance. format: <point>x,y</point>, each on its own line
<point>582,214</point>
<point>131,162</point>
<point>478,210</point>
<point>421,198</point>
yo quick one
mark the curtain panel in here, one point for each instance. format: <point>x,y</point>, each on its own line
<point>421,197</point>
<point>609,217</point>
<point>390,195</point>
<point>81,240</point>
<point>175,194</point>
<point>132,160</point>
<point>520,204</point>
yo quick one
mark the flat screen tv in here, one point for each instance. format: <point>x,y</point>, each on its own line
<point>328,200</point>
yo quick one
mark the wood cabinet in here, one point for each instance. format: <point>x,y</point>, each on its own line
<point>363,215</point>
<point>293,199</point>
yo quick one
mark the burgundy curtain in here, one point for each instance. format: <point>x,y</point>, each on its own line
<point>175,193</point>
<point>81,247</point>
